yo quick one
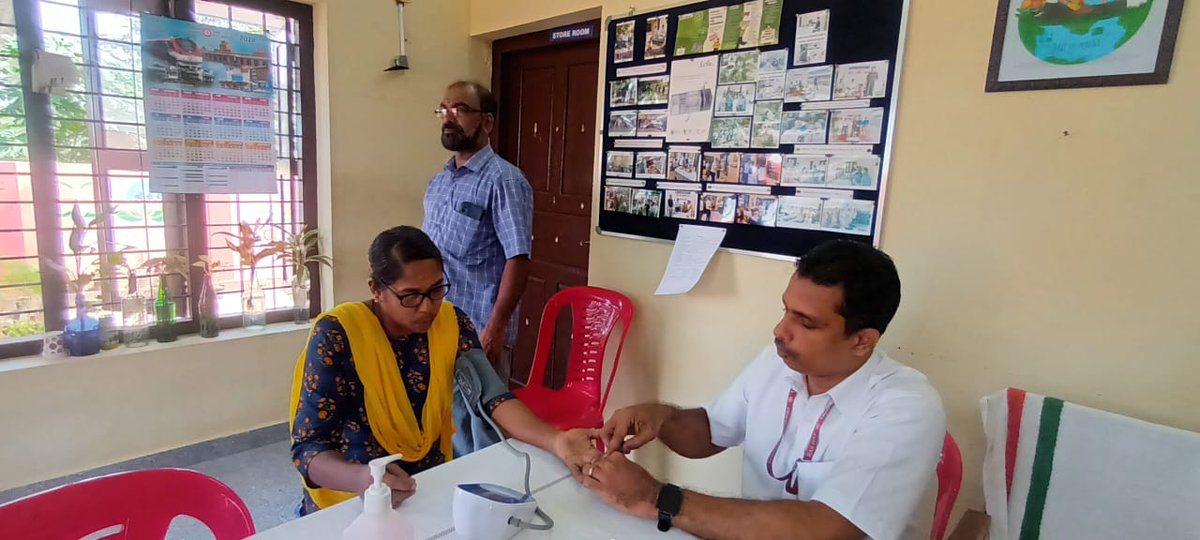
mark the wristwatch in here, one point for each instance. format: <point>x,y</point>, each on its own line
<point>670,499</point>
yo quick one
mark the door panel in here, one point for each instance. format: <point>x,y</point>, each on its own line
<point>580,136</point>
<point>545,280</point>
<point>532,303</point>
<point>549,279</point>
<point>547,128</point>
<point>534,117</point>
<point>561,239</point>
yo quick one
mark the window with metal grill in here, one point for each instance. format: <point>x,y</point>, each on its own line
<point>88,148</point>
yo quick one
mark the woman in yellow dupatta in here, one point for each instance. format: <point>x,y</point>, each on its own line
<point>376,378</point>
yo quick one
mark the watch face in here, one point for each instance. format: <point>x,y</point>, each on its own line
<point>670,498</point>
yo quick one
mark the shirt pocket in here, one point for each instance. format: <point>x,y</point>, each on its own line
<point>809,476</point>
<point>467,218</point>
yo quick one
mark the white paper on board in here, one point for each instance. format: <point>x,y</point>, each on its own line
<point>694,249</point>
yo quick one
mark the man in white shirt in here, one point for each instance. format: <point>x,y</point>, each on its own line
<point>839,440</point>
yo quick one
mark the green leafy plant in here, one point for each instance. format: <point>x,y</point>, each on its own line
<point>250,245</point>
<point>71,135</point>
<point>77,278</point>
<point>13,329</point>
<point>300,250</point>
<point>204,262</point>
<point>170,264</point>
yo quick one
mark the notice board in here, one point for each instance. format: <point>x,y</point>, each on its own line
<point>771,118</point>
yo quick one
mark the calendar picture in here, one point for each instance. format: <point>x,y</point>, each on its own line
<point>757,210</point>
<point>808,84</point>
<point>683,164</point>
<point>717,207</point>
<point>799,213</point>
<point>847,216</point>
<point>651,165</point>
<point>209,117</point>
<point>681,204</point>
<point>804,127</point>
<point>617,199</point>
<point>859,126</point>
<point>853,172</point>
<point>646,202</point>
<point>864,80</point>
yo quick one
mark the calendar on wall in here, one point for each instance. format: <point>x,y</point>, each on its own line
<point>208,108</point>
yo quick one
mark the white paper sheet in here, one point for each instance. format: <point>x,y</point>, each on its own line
<point>812,38</point>
<point>694,248</point>
<point>826,105</point>
<point>648,69</point>
<point>638,143</point>
<point>693,83</point>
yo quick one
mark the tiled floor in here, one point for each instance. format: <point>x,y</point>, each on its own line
<point>257,465</point>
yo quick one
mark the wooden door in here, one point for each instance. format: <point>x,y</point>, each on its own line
<point>547,128</point>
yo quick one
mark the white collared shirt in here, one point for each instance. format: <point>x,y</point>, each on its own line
<point>876,452</point>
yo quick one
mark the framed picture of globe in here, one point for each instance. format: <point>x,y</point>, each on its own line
<point>1047,44</point>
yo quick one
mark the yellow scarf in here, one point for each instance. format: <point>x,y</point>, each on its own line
<point>389,411</point>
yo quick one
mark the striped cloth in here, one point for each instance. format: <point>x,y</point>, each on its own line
<point>1055,470</point>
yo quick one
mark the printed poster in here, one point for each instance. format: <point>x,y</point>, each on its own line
<point>768,28</point>
<point>812,38</point>
<point>690,33</point>
<point>623,42</point>
<point>208,104</point>
<point>690,107</point>
<point>864,80</point>
<point>656,38</point>
<point>751,24</point>
<point>856,126</point>
<point>716,29</point>
<point>742,26</point>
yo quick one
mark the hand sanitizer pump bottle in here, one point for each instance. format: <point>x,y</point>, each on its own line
<point>379,521</point>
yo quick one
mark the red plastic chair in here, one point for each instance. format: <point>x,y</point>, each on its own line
<point>135,505</point>
<point>949,475</point>
<point>595,313</point>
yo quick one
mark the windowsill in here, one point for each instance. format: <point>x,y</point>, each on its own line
<point>192,340</point>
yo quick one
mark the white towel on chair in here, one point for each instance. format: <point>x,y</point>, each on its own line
<point>1064,471</point>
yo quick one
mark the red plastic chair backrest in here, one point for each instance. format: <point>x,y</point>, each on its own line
<point>135,505</point>
<point>949,476</point>
<point>595,314</point>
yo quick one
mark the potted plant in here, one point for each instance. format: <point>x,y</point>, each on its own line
<point>82,334</point>
<point>251,247</point>
<point>300,250</point>
<point>164,302</point>
<point>206,309</point>
<point>136,312</point>
<point>109,266</point>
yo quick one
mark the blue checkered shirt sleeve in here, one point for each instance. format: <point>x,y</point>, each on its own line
<point>512,213</point>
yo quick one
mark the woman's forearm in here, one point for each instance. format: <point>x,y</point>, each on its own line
<point>520,423</point>
<point>331,470</point>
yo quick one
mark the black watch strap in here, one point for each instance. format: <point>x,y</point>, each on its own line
<point>670,500</point>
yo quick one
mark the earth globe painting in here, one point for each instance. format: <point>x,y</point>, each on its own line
<point>1070,32</point>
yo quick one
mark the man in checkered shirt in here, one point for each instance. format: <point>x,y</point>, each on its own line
<point>479,212</point>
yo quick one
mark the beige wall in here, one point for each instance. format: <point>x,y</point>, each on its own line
<point>383,137</point>
<point>80,413</point>
<point>1064,264</point>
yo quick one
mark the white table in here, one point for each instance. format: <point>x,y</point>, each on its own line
<point>577,512</point>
